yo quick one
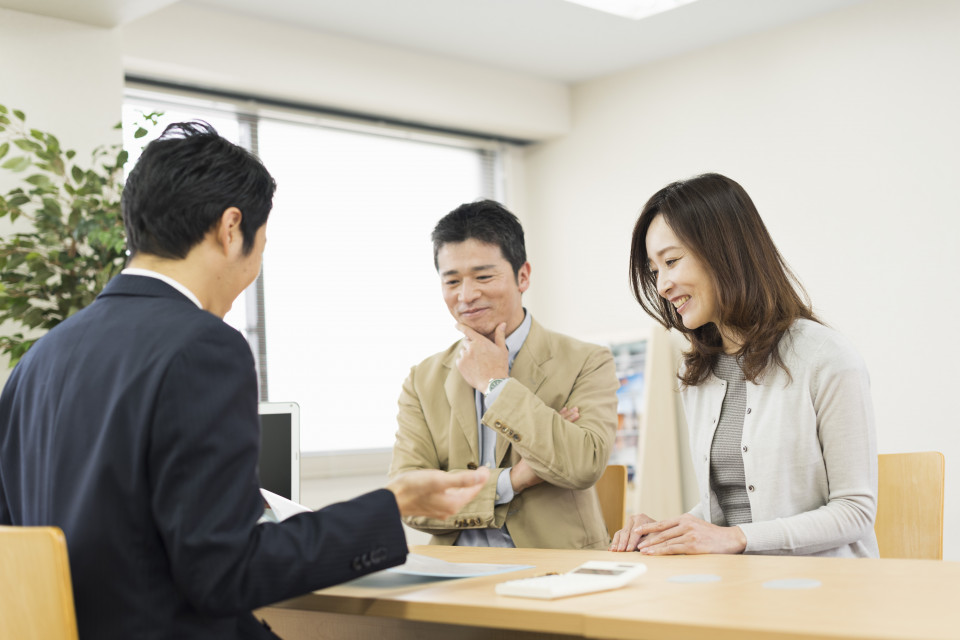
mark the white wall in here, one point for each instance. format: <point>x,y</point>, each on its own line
<point>844,130</point>
<point>226,51</point>
<point>67,78</point>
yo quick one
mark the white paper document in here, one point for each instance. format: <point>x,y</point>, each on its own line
<point>280,508</point>
<point>418,565</point>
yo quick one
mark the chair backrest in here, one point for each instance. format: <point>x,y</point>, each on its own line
<point>36,595</point>
<point>910,505</point>
<point>612,491</point>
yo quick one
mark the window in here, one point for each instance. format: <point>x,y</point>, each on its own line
<point>348,298</point>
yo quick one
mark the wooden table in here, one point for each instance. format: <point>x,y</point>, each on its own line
<point>882,599</point>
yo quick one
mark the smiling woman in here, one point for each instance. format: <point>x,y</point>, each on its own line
<point>781,422</point>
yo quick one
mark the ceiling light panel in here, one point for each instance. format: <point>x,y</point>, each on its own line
<point>633,9</point>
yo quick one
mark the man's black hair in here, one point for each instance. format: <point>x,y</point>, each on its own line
<point>182,184</point>
<point>487,221</point>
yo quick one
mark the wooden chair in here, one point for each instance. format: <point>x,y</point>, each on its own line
<point>36,595</point>
<point>910,505</point>
<point>612,491</point>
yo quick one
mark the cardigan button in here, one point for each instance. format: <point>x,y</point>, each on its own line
<point>749,409</point>
<point>750,488</point>
<point>744,448</point>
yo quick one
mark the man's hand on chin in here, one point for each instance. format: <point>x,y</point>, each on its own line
<point>480,358</point>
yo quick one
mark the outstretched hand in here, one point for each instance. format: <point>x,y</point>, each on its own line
<point>436,494</point>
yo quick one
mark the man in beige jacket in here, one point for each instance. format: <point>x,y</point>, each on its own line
<point>537,407</point>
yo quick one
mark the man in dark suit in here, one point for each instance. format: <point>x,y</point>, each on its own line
<point>133,425</point>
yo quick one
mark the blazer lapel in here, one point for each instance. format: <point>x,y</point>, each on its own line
<point>527,371</point>
<point>463,405</point>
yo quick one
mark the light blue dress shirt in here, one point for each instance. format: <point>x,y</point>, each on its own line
<point>488,444</point>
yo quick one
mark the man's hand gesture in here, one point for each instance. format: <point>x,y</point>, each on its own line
<point>436,494</point>
<point>482,359</point>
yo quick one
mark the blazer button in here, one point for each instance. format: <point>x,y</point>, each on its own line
<point>356,564</point>
<point>516,437</point>
<point>472,466</point>
<point>498,424</point>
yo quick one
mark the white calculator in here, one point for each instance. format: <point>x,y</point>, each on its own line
<point>587,578</point>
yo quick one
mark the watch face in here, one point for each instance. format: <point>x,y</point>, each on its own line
<point>493,385</point>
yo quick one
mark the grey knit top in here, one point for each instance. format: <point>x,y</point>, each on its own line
<point>726,458</point>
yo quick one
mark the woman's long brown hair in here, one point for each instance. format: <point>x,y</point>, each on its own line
<point>759,297</point>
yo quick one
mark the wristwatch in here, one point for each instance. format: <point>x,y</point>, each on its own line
<point>493,384</point>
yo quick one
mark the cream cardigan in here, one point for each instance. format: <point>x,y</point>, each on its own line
<point>809,449</point>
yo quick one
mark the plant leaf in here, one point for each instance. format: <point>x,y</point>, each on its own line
<point>19,115</point>
<point>52,207</point>
<point>77,174</point>
<point>17,164</point>
<point>140,132</point>
<point>4,148</point>
<point>39,180</point>
<point>27,145</point>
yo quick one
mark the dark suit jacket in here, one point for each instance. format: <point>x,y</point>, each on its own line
<point>133,426</point>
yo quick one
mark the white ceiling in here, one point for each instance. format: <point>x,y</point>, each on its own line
<point>546,38</point>
<point>99,13</point>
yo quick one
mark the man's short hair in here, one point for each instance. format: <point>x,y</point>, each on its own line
<point>182,184</point>
<point>487,221</point>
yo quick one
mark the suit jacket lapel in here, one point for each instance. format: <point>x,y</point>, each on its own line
<point>527,371</point>
<point>463,405</point>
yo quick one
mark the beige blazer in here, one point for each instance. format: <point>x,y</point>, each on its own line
<point>438,430</point>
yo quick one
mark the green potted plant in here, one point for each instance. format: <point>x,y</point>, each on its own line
<point>75,240</point>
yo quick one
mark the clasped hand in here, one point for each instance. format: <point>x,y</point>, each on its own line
<point>684,535</point>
